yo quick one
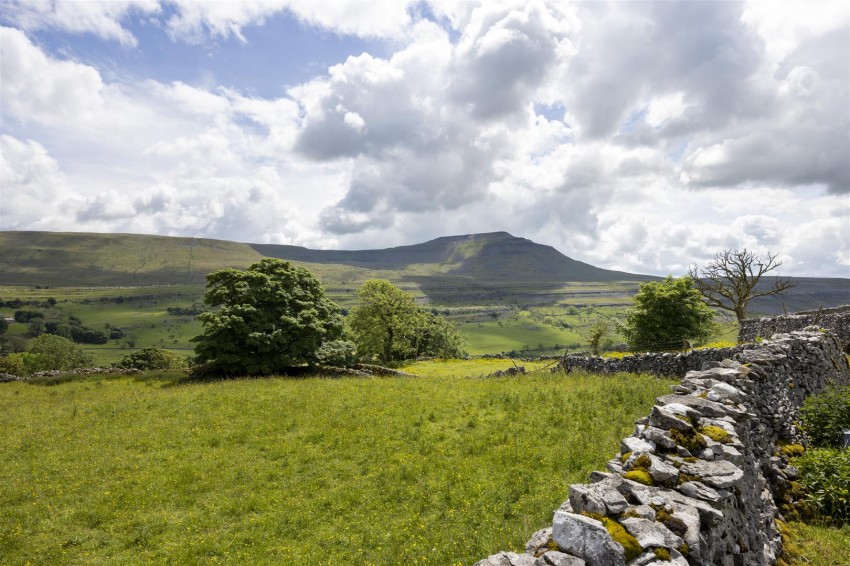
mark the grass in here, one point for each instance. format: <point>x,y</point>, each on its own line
<point>437,470</point>
<point>817,545</point>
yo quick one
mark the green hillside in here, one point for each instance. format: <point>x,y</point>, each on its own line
<point>472,269</point>
<point>76,259</point>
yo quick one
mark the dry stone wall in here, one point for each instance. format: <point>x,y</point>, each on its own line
<point>836,320</point>
<point>664,364</point>
<point>700,479</point>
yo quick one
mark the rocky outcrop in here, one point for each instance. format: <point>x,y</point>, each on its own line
<point>700,479</point>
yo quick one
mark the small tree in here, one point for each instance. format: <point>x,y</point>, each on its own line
<point>388,324</point>
<point>383,323</point>
<point>666,314</point>
<point>729,281</point>
<point>270,317</point>
<point>598,331</point>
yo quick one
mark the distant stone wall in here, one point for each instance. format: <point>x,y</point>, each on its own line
<point>836,320</point>
<point>700,479</point>
<point>663,364</point>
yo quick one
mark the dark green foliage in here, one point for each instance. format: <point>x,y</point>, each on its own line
<point>193,310</point>
<point>35,327</point>
<point>438,337</point>
<point>338,353</point>
<point>825,414</point>
<point>825,473</point>
<point>4,325</point>
<point>26,316</point>
<point>666,315</point>
<point>152,359</point>
<point>270,317</point>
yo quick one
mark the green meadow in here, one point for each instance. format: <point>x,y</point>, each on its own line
<point>443,469</point>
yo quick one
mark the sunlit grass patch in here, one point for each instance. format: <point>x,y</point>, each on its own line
<point>385,471</point>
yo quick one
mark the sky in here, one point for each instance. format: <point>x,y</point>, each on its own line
<point>638,136</point>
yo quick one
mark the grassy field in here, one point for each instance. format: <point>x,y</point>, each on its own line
<point>438,470</point>
<point>141,312</point>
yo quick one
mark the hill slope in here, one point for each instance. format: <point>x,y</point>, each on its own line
<point>493,268</point>
<point>496,255</point>
<point>66,259</point>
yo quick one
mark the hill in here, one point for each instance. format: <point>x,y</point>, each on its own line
<point>496,255</point>
<point>475,269</point>
<point>72,259</point>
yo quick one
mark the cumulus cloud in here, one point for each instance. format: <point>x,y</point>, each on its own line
<point>99,17</point>
<point>636,136</point>
<point>35,192</point>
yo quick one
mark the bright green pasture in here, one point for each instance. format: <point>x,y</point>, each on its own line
<point>490,337</point>
<point>436,470</point>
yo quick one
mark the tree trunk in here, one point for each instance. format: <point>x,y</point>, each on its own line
<point>388,345</point>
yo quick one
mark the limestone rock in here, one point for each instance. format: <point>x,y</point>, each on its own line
<point>507,559</point>
<point>634,444</point>
<point>555,558</point>
<point>586,538</point>
<point>699,490</point>
<point>666,419</point>
<point>649,533</point>
<point>724,391</point>
<point>718,473</point>
<point>706,407</point>
<point>601,497</point>
<point>539,541</point>
<point>660,437</point>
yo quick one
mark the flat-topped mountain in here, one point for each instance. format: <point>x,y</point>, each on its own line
<point>67,259</point>
<point>470,269</point>
<point>491,255</point>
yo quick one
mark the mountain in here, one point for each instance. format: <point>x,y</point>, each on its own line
<point>470,269</point>
<point>496,255</point>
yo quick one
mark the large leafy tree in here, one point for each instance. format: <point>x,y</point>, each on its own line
<point>731,280</point>
<point>270,317</point>
<point>389,325</point>
<point>666,315</point>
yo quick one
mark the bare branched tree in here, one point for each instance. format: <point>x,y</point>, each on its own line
<point>729,281</point>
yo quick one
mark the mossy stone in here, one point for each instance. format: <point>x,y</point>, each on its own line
<point>619,533</point>
<point>640,476</point>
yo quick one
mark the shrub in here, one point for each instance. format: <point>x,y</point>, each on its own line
<point>338,353</point>
<point>825,414</point>
<point>152,358</point>
<point>13,364</point>
<point>825,473</point>
<point>48,352</point>
<point>26,316</point>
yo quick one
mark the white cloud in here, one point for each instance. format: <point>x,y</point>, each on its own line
<point>99,17</point>
<point>35,194</point>
<point>637,136</point>
<point>195,21</point>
